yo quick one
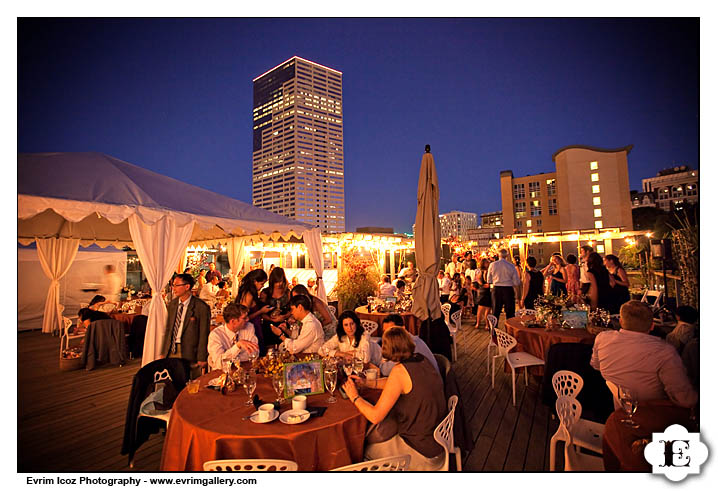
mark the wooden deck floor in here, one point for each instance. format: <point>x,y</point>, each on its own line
<point>74,421</point>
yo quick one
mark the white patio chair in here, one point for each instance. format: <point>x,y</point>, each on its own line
<point>249,465</point>
<point>444,436</point>
<point>333,310</point>
<point>521,359</point>
<point>398,463</point>
<point>445,309</point>
<point>492,321</point>
<point>454,328</point>
<point>523,312</point>
<point>370,327</point>
<point>65,336</point>
<point>653,293</point>
<point>569,412</point>
<point>586,434</point>
<point>107,307</point>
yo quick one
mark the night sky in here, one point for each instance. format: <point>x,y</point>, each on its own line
<point>175,96</point>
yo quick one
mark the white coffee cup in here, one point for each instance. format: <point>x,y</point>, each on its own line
<point>265,412</point>
<point>299,402</point>
<point>370,373</point>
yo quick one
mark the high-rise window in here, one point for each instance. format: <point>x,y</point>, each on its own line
<point>535,189</point>
<point>552,207</point>
<point>519,209</point>
<point>597,212</point>
<point>596,200</point>
<point>594,177</point>
<point>596,189</point>
<point>519,191</point>
<point>594,165</point>
<point>551,187</point>
<point>598,224</point>
<point>536,208</point>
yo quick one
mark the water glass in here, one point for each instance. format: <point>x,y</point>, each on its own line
<point>358,363</point>
<point>330,382</point>
<point>278,384</point>
<point>629,403</point>
<point>250,383</point>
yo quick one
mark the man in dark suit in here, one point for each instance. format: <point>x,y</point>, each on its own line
<point>187,326</point>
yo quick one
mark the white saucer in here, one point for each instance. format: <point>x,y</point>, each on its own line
<point>303,413</point>
<point>255,415</point>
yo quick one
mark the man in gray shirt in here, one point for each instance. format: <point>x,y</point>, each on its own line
<point>392,321</point>
<point>504,277</point>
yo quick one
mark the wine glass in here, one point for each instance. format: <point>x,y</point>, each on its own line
<point>250,383</point>
<point>358,363</point>
<point>629,403</point>
<point>330,382</point>
<point>227,365</point>
<point>278,384</point>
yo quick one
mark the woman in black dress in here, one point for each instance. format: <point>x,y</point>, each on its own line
<point>275,295</point>
<point>599,292</point>
<point>533,284</point>
<point>618,280</point>
<point>484,297</point>
<point>248,295</point>
<point>558,276</point>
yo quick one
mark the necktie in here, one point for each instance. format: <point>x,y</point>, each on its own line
<point>175,330</point>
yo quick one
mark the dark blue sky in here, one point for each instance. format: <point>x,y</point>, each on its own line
<point>175,96</point>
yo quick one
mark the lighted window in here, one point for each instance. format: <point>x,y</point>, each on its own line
<point>597,212</point>
<point>594,177</point>
<point>600,249</point>
<point>597,201</point>
<point>594,165</point>
<point>528,231</point>
<point>596,188</point>
<point>528,223</point>
<point>598,224</point>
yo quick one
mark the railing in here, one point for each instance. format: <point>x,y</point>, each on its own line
<point>655,282</point>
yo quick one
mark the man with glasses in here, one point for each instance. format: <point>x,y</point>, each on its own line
<point>187,327</point>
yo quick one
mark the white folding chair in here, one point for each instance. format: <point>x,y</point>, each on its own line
<point>445,309</point>
<point>398,463</point>
<point>333,310</point>
<point>523,312</point>
<point>65,336</point>
<point>370,327</point>
<point>444,436</point>
<point>521,359</point>
<point>568,410</point>
<point>250,465</point>
<point>492,322</point>
<point>454,328</point>
<point>586,434</point>
<point>653,293</point>
<point>107,307</point>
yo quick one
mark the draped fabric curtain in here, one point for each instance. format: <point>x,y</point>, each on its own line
<point>235,253</point>
<point>56,257</point>
<point>313,241</point>
<point>159,247</point>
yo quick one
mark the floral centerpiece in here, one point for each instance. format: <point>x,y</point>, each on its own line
<point>358,279</point>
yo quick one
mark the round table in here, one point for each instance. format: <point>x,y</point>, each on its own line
<point>619,453</point>
<point>537,340</point>
<point>411,322</point>
<point>209,426</point>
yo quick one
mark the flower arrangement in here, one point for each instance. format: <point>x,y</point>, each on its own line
<point>358,279</point>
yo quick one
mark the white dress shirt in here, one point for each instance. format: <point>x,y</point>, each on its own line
<point>387,290</point>
<point>644,363</point>
<point>310,339</point>
<point>208,292</point>
<point>451,269</point>
<point>502,273</point>
<point>346,345</point>
<point>222,344</point>
<point>444,285</point>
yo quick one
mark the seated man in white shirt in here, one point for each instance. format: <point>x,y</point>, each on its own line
<point>311,333</point>
<point>386,289</point>
<point>444,286</point>
<point>209,290</point>
<point>233,339</point>
<point>632,358</point>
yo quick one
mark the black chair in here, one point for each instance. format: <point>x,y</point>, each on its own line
<point>436,335</point>
<point>136,338</point>
<point>104,343</point>
<point>595,397</point>
<point>462,431</point>
<point>138,429</point>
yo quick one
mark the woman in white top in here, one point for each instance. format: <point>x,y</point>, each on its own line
<point>350,338</point>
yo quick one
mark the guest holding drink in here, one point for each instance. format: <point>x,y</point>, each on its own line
<point>248,295</point>
<point>557,275</point>
<point>275,295</point>
<point>410,407</point>
<point>320,310</point>
<point>311,334</point>
<point>618,279</point>
<point>233,339</point>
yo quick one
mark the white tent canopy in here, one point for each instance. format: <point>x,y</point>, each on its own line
<point>66,199</point>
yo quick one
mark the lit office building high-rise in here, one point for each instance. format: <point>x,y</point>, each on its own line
<point>298,143</point>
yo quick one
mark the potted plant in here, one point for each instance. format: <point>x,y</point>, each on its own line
<point>357,280</point>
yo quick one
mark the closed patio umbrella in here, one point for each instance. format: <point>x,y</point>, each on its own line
<point>427,242</point>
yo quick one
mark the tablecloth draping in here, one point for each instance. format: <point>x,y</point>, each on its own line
<point>537,340</point>
<point>411,322</point>
<point>619,454</point>
<point>209,426</point>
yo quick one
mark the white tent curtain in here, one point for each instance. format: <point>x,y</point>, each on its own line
<point>235,253</point>
<point>56,256</point>
<point>159,247</point>
<point>313,241</point>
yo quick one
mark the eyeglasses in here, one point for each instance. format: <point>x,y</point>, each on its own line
<point>175,285</point>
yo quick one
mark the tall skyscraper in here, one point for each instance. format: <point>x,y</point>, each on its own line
<point>298,143</point>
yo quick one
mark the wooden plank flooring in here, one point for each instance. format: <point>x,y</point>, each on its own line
<point>74,421</point>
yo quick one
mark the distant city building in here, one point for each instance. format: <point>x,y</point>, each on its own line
<point>374,230</point>
<point>643,200</point>
<point>673,187</point>
<point>588,191</point>
<point>298,144</point>
<point>456,224</point>
<point>492,219</point>
<point>492,227</point>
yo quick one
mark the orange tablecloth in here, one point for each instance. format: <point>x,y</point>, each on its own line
<point>652,416</point>
<point>124,317</point>
<point>411,322</point>
<point>537,340</point>
<point>209,426</point>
